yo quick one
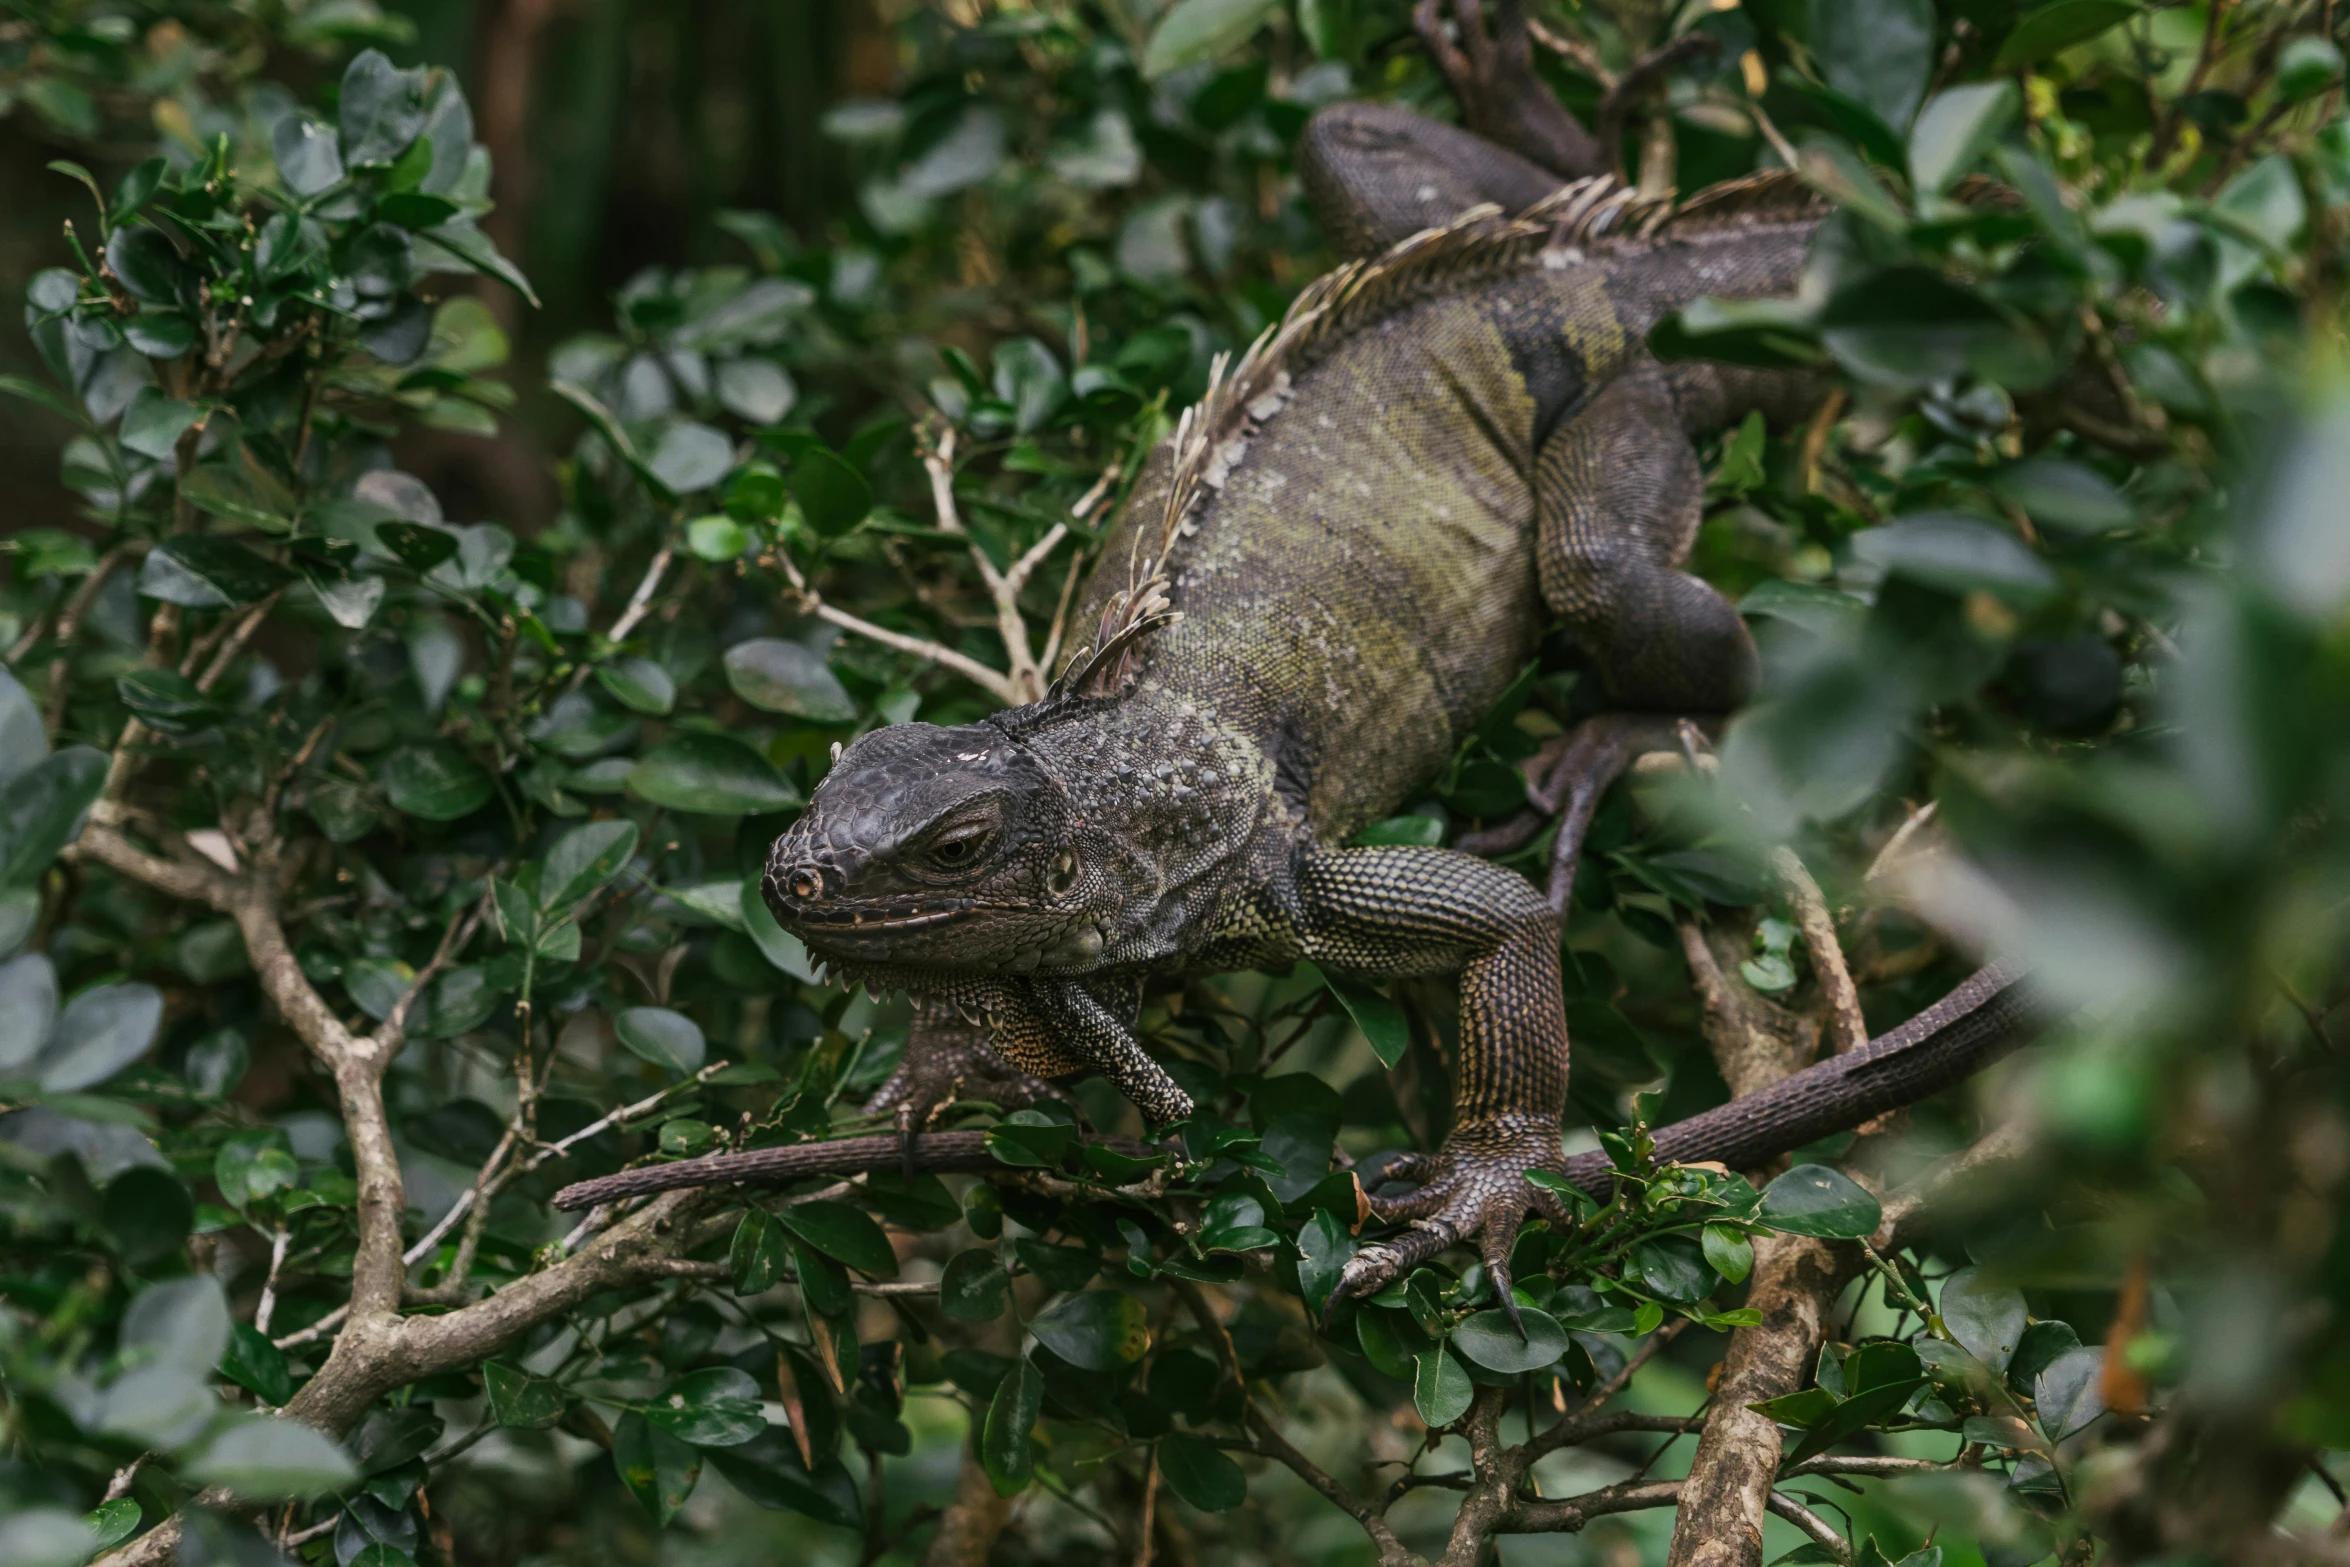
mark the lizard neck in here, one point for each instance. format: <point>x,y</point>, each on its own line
<point>1168,794</point>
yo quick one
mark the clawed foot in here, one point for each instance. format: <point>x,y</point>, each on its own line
<point>943,1068</point>
<point>1475,1187</point>
<point>1492,78</point>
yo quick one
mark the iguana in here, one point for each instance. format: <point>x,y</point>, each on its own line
<point>1320,584</point>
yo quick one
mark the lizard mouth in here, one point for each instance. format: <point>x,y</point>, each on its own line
<point>869,919</point>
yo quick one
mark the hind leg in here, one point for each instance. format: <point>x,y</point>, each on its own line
<point>1619,491</point>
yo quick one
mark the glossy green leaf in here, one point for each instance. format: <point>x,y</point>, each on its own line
<point>521,1400</point>
<point>714,1408</point>
<point>1011,1417</point>
<point>1956,128</point>
<point>710,775</point>
<point>2050,29</point>
<point>1098,1329</point>
<point>1196,30</point>
<point>582,860</point>
<point>1201,1474</point>
<point>197,571</point>
<point>787,677</point>
<point>667,1039</point>
<point>41,810</point>
<point>833,496</point>
<point>974,1286</point>
<point>638,684</point>
<point>843,1233</point>
<point>1488,1339</point>
<point>1728,1252</point>
<point>690,457</point>
<point>1814,1200</point>
<point>759,1252</point>
<point>101,1031</point>
<point>659,1470</point>
<point>1441,1389</point>
<point>149,1213</point>
<point>1986,1316</point>
<point>435,781</point>
<point>1958,552</point>
<point>1380,1019</point>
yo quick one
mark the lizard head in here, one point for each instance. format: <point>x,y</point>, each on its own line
<point>943,847</point>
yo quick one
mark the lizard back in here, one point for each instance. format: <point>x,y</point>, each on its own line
<point>1347,523</point>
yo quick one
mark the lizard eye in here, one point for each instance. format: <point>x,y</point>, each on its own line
<point>964,848</point>
<point>1061,875</point>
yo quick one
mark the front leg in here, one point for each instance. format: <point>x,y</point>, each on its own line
<point>1394,911</point>
<point>949,1059</point>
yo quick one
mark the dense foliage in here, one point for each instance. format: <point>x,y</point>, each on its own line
<point>367,872</point>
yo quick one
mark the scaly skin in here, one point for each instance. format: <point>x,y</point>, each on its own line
<point>1470,437</point>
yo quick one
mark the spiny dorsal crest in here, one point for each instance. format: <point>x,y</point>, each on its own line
<point>1594,215</point>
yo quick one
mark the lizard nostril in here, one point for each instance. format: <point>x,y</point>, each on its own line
<point>806,884</point>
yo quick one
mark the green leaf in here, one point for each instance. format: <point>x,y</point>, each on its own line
<point>1852,1415</point>
<point>833,496</point>
<point>1441,1389</point>
<point>1098,1329</point>
<point>767,1469</point>
<point>149,266</point>
<point>691,457</point>
<point>638,684</point>
<point>758,1253</point>
<point>308,158</point>
<point>1985,1316</point>
<point>717,537</point>
<point>1324,1248</point>
<point>265,1460</point>
<point>149,1214</point>
<point>1958,552</point>
<point>659,1470</point>
<point>974,1286</point>
<point>471,246</point>
<point>757,391</point>
<point>1424,831</point>
<point>1201,1474</point>
<point>101,1031</point>
<point>434,781</point>
<point>196,571</point>
<point>714,1408</point>
<point>166,700</point>
<point>1908,327</point>
<point>787,677</point>
<point>112,1522</point>
<point>41,810</point>
<point>1814,1200</point>
<point>153,423</point>
<point>710,775</point>
<point>1956,129</point>
<point>1486,1338</point>
<point>1027,1139</point>
<point>380,108</point>
<point>783,950</point>
<point>521,1400</point>
<point>2054,28</point>
<point>420,546</point>
<point>2067,1394</point>
<point>1671,1268</point>
<point>582,860</point>
<point>1196,30</point>
<point>665,1038</point>
<point>844,1233</point>
<point>824,1283</point>
<point>1879,54</point>
<point>1011,1416</point>
<point>2068,496</point>
<point>1728,1252</point>
<point>1380,1019</point>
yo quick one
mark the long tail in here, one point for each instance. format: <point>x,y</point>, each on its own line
<point>1987,1016</point>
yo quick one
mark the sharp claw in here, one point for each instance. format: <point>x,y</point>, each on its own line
<point>906,1136</point>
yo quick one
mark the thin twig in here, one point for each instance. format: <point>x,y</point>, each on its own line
<point>1847,1029</point>
<point>277,1261</point>
<point>1026,683</point>
<point>812,603</point>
